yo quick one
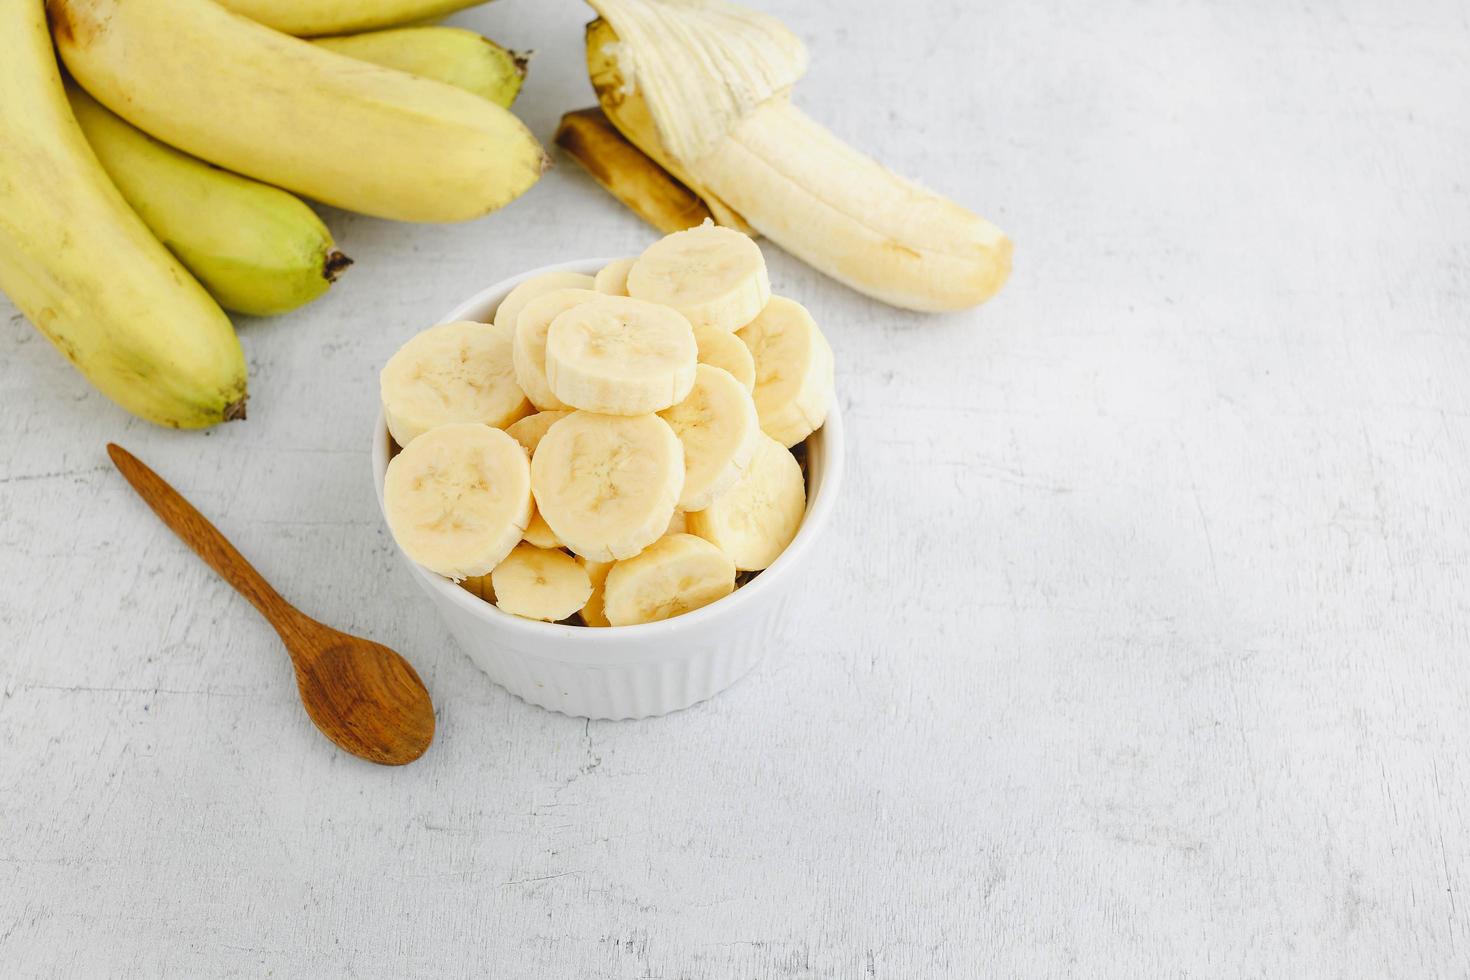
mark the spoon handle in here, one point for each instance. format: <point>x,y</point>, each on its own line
<point>206,540</point>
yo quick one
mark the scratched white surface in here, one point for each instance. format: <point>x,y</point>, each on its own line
<point>1139,643</point>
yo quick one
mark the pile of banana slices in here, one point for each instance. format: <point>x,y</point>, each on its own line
<point>615,449</point>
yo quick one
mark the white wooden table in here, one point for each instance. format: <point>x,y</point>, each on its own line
<point>1139,646</point>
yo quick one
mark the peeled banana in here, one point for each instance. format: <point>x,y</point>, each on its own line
<point>306,18</point>
<point>451,55</point>
<point>625,107</point>
<point>256,248</point>
<point>83,267</point>
<point>285,111</point>
<point>715,80</point>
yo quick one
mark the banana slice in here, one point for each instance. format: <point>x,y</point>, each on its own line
<point>540,583</point>
<point>674,575</point>
<point>455,372</point>
<point>458,498</point>
<point>528,432</point>
<point>793,370</point>
<point>592,614</point>
<point>607,484</point>
<point>722,349</point>
<point>678,524</point>
<point>714,276</point>
<point>620,356</point>
<point>540,534</point>
<point>529,353</point>
<point>756,519</point>
<point>510,308</point>
<point>720,431</point>
<point>613,277</point>
<point>480,587</point>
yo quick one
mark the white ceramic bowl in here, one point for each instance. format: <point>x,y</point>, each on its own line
<point>630,671</point>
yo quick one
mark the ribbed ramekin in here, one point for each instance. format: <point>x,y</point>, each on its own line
<point>630,671</point>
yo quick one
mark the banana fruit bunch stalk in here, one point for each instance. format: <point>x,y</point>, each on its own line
<point>157,186</point>
<point>702,88</point>
<point>614,448</point>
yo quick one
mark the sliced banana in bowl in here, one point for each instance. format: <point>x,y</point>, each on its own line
<point>714,275</point>
<point>458,498</point>
<point>679,529</point>
<point>528,432</point>
<point>454,372</point>
<point>540,583</point>
<point>718,427</point>
<point>616,355</point>
<point>613,277</point>
<point>508,310</point>
<point>793,370</point>
<point>528,350</point>
<point>758,517</point>
<point>722,349</point>
<point>608,484</point>
<point>676,574</point>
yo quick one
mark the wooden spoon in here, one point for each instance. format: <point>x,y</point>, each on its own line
<point>361,694</point>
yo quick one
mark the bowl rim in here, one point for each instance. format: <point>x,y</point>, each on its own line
<point>818,513</point>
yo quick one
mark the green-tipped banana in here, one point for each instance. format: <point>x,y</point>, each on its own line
<point>453,55</point>
<point>256,248</point>
<point>85,270</point>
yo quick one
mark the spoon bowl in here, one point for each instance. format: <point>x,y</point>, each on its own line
<point>392,725</point>
<point>360,694</point>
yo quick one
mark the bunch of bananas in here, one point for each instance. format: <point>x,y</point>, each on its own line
<point>157,184</point>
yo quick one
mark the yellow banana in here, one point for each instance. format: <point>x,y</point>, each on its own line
<point>307,18</point>
<point>85,269</point>
<point>451,55</point>
<point>714,80</point>
<point>256,248</point>
<point>244,97</point>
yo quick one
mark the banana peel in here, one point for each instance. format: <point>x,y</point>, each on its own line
<point>629,113</point>
<point>626,173</point>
